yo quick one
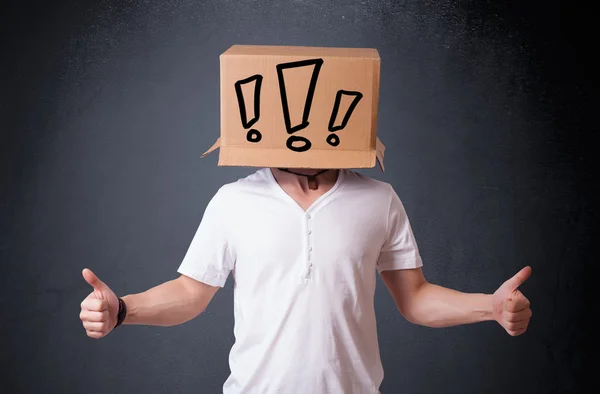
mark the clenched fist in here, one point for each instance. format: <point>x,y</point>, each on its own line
<point>99,309</point>
<point>510,306</point>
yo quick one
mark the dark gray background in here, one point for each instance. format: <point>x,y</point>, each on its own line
<point>106,106</point>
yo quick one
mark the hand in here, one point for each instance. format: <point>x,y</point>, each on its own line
<point>510,307</point>
<point>99,309</point>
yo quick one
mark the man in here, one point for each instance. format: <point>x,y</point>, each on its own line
<point>304,250</point>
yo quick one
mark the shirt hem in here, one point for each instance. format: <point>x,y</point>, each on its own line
<point>204,278</point>
<point>410,263</point>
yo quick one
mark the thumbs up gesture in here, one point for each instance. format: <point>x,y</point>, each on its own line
<point>99,309</point>
<point>510,306</point>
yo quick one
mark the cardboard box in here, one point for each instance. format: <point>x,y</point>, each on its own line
<point>299,107</point>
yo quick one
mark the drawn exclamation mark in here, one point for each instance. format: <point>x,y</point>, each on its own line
<point>334,124</point>
<point>245,85</point>
<point>298,102</point>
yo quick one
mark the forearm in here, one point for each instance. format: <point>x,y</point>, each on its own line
<point>167,304</point>
<point>435,306</point>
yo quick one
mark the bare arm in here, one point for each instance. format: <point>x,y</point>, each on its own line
<point>430,305</point>
<point>170,303</point>
<point>426,304</point>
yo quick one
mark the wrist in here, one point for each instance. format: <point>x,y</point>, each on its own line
<point>122,312</point>
<point>131,309</point>
<point>485,307</point>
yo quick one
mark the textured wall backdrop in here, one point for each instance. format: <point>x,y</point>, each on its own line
<point>106,107</point>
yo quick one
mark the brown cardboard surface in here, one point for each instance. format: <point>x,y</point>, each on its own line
<point>299,107</point>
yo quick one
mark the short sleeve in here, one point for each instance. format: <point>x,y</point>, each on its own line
<point>400,249</point>
<point>209,258</point>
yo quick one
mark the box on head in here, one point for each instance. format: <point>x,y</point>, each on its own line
<point>299,107</point>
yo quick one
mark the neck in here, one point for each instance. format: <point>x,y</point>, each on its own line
<point>306,179</point>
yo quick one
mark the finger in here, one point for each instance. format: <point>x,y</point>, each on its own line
<point>515,317</point>
<point>95,326</point>
<point>94,334</point>
<point>517,326</point>
<point>516,333</point>
<point>519,278</point>
<point>93,280</point>
<point>87,315</point>
<point>93,304</point>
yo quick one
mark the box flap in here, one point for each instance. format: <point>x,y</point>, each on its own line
<point>380,150</point>
<point>215,146</point>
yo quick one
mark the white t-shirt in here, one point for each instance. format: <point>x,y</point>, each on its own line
<point>304,281</point>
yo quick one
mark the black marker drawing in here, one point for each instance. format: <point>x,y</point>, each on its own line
<point>305,143</point>
<point>253,135</point>
<point>333,139</point>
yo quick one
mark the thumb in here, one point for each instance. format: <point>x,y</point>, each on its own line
<point>95,282</point>
<point>517,280</point>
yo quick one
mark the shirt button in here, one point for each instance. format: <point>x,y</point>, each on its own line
<point>310,249</point>
<point>310,231</point>
<point>310,264</point>
<point>308,216</point>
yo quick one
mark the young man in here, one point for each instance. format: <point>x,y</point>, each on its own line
<point>304,252</point>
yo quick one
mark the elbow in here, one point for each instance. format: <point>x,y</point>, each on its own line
<point>422,314</point>
<point>421,319</point>
<point>417,308</point>
<point>430,310</point>
<point>409,314</point>
<point>181,316</point>
<point>413,316</point>
<point>194,308</point>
